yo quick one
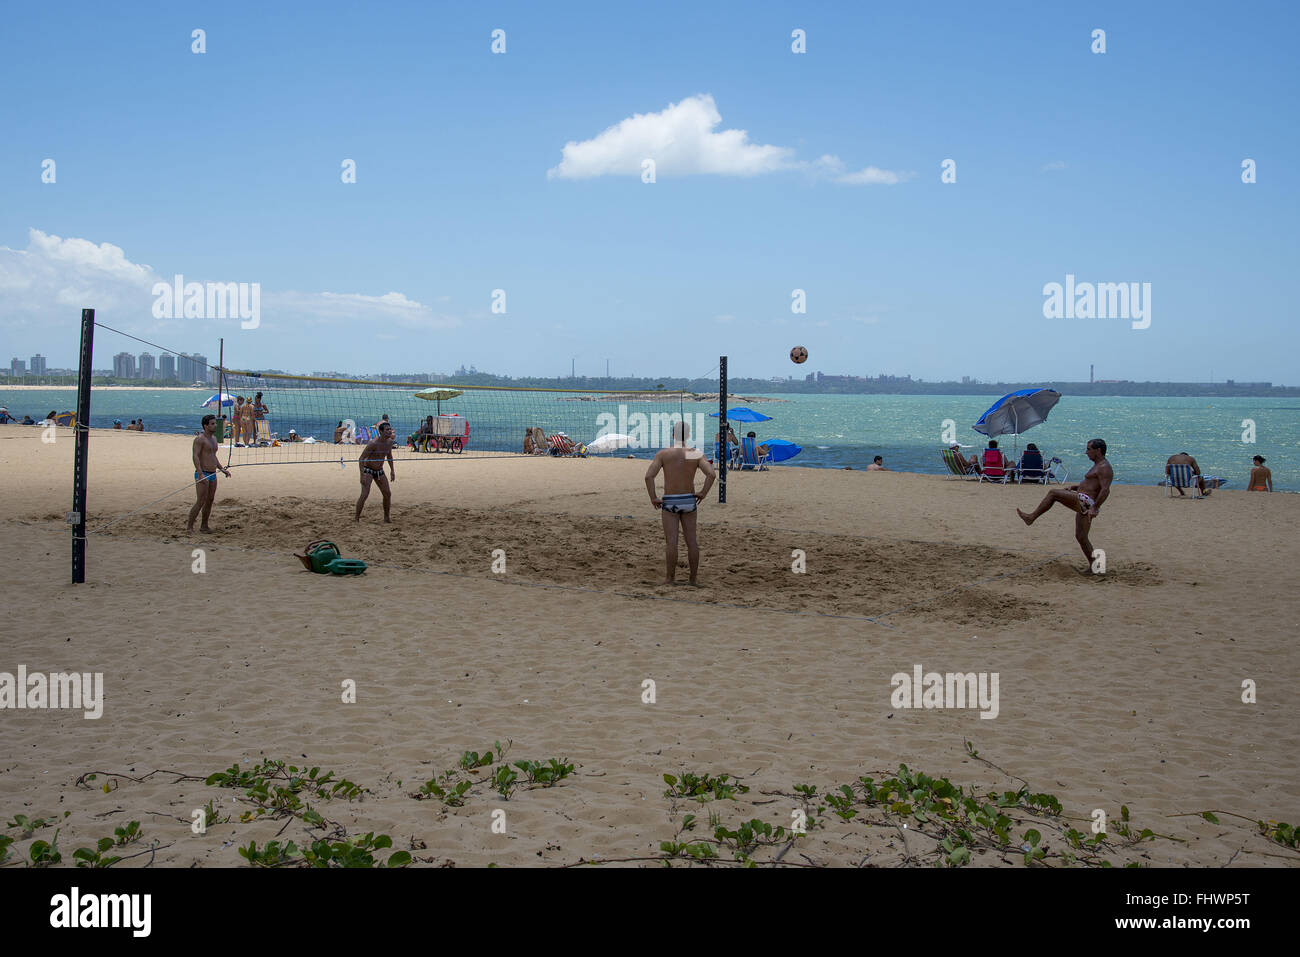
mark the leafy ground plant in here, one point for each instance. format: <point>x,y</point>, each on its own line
<point>703,787</point>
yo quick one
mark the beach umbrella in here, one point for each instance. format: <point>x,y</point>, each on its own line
<point>609,442</point>
<point>741,414</point>
<point>438,395</point>
<point>778,450</point>
<point>226,399</point>
<point>1017,412</point>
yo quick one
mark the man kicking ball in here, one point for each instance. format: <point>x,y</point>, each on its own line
<point>1083,499</point>
<point>678,505</point>
<point>373,456</point>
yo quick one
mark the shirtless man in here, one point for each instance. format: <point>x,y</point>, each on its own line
<point>1261,479</point>
<point>204,453</point>
<point>1083,499</point>
<point>877,464</point>
<point>678,463</point>
<point>372,459</point>
<point>1182,458</point>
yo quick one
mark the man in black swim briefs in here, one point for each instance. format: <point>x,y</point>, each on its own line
<point>377,451</point>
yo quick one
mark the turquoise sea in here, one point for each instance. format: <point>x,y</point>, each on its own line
<point>834,430</point>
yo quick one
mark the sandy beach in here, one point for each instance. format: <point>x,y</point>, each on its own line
<point>1121,689</point>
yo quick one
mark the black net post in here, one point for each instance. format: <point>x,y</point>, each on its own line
<point>723,448</point>
<point>81,431</point>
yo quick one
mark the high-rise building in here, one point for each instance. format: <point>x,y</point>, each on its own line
<point>192,368</point>
<point>124,365</point>
<point>166,366</point>
<point>37,364</point>
<point>147,368</point>
<point>17,367</point>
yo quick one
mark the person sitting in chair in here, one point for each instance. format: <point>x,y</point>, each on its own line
<point>995,464</point>
<point>1182,458</point>
<point>969,465</point>
<point>1031,464</point>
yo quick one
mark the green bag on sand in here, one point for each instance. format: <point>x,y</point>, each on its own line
<point>346,566</point>
<point>317,556</point>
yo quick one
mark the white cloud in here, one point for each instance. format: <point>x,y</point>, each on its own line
<point>44,287</point>
<point>833,168</point>
<point>1055,164</point>
<point>683,140</point>
<point>680,139</point>
<point>728,317</point>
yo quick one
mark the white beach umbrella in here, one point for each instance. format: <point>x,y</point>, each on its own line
<point>609,442</point>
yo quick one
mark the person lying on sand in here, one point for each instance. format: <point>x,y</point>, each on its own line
<point>377,451</point>
<point>1083,499</point>
<point>204,453</point>
<point>1182,458</point>
<point>678,463</point>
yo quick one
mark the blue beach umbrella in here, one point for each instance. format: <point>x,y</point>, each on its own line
<point>212,402</point>
<point>741,414</point>
<point>778,450</point>
<point>1017,412</point>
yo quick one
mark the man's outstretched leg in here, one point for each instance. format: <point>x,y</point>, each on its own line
<point>1057,495</point>
<point>692,543</point>
<point>670,544</point>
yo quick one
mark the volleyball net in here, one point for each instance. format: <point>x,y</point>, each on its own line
<point>275,418</point>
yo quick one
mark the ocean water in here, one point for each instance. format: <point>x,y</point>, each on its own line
<point>834,430</point>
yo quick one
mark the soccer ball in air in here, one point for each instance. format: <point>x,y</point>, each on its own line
<point>798,354</point>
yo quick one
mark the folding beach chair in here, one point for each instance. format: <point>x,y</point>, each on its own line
<point>560,444</point>
<point>1182,476</point>
<point>959,469</point>
<point>750,458</point>
<point>1040,473</point>
<point>995,471</point>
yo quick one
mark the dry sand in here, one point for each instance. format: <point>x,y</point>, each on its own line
<point>1123,689</point>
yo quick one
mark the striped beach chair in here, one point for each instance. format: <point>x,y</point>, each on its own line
<point>958,469</point>
<point>750,457</point>
<point>560,444</point>
<point>1182,476</point>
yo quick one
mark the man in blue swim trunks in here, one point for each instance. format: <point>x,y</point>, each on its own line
<point>206,466</point>
<point>678,463</point>
<point>1083,499</point>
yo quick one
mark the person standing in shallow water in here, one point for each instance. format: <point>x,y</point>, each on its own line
<point>1084,499</point>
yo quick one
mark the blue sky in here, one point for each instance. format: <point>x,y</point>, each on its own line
<point>225,167</point>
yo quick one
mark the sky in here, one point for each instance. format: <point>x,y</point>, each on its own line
<point>501,215</point>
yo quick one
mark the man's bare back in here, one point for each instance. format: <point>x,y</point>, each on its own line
<point>679,466</point>
<point>680,500</point>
